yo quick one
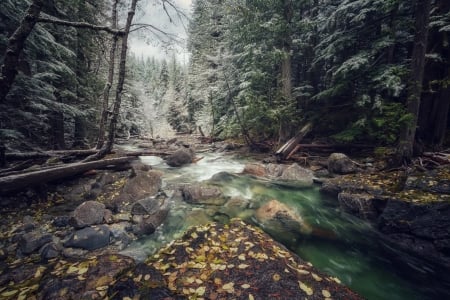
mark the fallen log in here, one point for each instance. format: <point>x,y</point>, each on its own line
<point>19,181</point>
<point>47,154</point>
<point>287,149</point>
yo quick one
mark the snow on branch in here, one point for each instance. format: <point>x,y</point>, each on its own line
<point>80,25</point>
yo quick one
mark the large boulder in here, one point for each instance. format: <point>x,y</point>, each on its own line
<point>180,157</point>
<point>88,213</point>
<point>280,217</point>
<point>90,238</point>
<point>255,169</point>
<point>32,241</point>
<point>149,213</point>
<point>298,174</point>
<point>339,163</point>
<point>202,194</point>
<point>233,261</point>
<point>143,184</point>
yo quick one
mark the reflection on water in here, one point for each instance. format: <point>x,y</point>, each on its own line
<point>345,247</point>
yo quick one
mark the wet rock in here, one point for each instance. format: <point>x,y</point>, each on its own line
<point>202,194</point>
<point>244,261</point>
<point>425,229</point>
<point>32,241</point>
<point>255,169</point>
<point>222,177</point>
<point>296,173</point>
<point>339,163</point>
<point>147,206</point>
<point>180,157</point>
<point>90,238</point>
<point>74,253</point>
<point>275,170</point>
<point>363,205</point>
<point>279,217</point>
<point>143,184</point>
<point>50,250</point>
<point>61,221</point>
<point>148,224</point>
<point>88,213</point>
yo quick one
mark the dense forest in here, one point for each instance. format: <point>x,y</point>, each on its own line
<point>360,71</point>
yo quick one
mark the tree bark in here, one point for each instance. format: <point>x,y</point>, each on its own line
<point>408,133</point>
<point>288,147</point>
<point>82,25</point>
<point>107,89</point>
<point>20,181</point>
<point>15,46</point>
<point>119,89</point>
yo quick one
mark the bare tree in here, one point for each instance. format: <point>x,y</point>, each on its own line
<point>107,89</point>
<point>15,46</point>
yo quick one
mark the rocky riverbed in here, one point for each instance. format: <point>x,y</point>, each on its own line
<point>64,240</point>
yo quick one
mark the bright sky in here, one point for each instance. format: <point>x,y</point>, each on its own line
<point>144,43</point>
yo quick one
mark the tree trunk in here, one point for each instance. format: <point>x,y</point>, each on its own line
<point>287,148</point>
<point>112,56</point>
<point>120,82</point>
<point>20,181</point>
<point>286,69</point>
<point>15,46</point>
<point>408,133</point>
<point>57,126</point>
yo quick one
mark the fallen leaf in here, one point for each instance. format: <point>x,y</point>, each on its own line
<point>245,286</point>
<point>316,277</point>
<point>243,266</point>
<point>309,291</point>
<point>200,291</point>
<point>326,294</point>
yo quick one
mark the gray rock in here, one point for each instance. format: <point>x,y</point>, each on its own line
<point>90,238</point>
<point>32,241</point>
<point>88,213</point>
<point>61,221</point>
<point>143,184</point>
<point>296,173</point>
<point>180,157</point>
<point>255,169</point>
<point>50,250</point>
<point>339,163</point>
<point>202,194</point>
<point>278,217</point>
<point>362,205</point>
<point>149,223</point>
<point>74,253</point>
<point>146,206</point>
<point>275,170</point>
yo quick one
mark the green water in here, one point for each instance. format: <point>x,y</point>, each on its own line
<point>347,247</point>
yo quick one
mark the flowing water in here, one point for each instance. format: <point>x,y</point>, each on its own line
<point>347,248</point>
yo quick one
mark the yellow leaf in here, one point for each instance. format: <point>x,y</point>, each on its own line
<point>326,294</point>
<point>9,293</point>
<point>309,291</point>
<point>243,266</point>
<point>245,286</point>
<point>276,277</point>
<point>72,269</point>
<point>228,286</point>
<point>82,271</point>
<point>250,297</point>
<point>200,291</point>
<point>241,256</point>
<point>194,235</point>
<point>217,281</point>
<point>316,277</point>
<point>102,288</point>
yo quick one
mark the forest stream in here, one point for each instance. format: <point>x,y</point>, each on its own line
<point>348,248</point>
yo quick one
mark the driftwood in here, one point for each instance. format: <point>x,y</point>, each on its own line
<point>47,154</point>
<point>20,181</point>
<point>287,149</point>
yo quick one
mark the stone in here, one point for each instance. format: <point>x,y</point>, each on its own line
<point>255,169</point>
<point>280,217</point>
<point>296,173</point>
<point>275,170</point>
<point>149,223</point>
<point>363,205</point>
<point>339,163</point>
<point>90,238</point>
<point>147,206</point>
<point>180,157</point>
<point>74,253</point>
<point>202,194</point>
<point>50,250</point>
<point>61,221</point>
<point>143,184</point>
<point>88,213</point>
<point>32,241</point>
